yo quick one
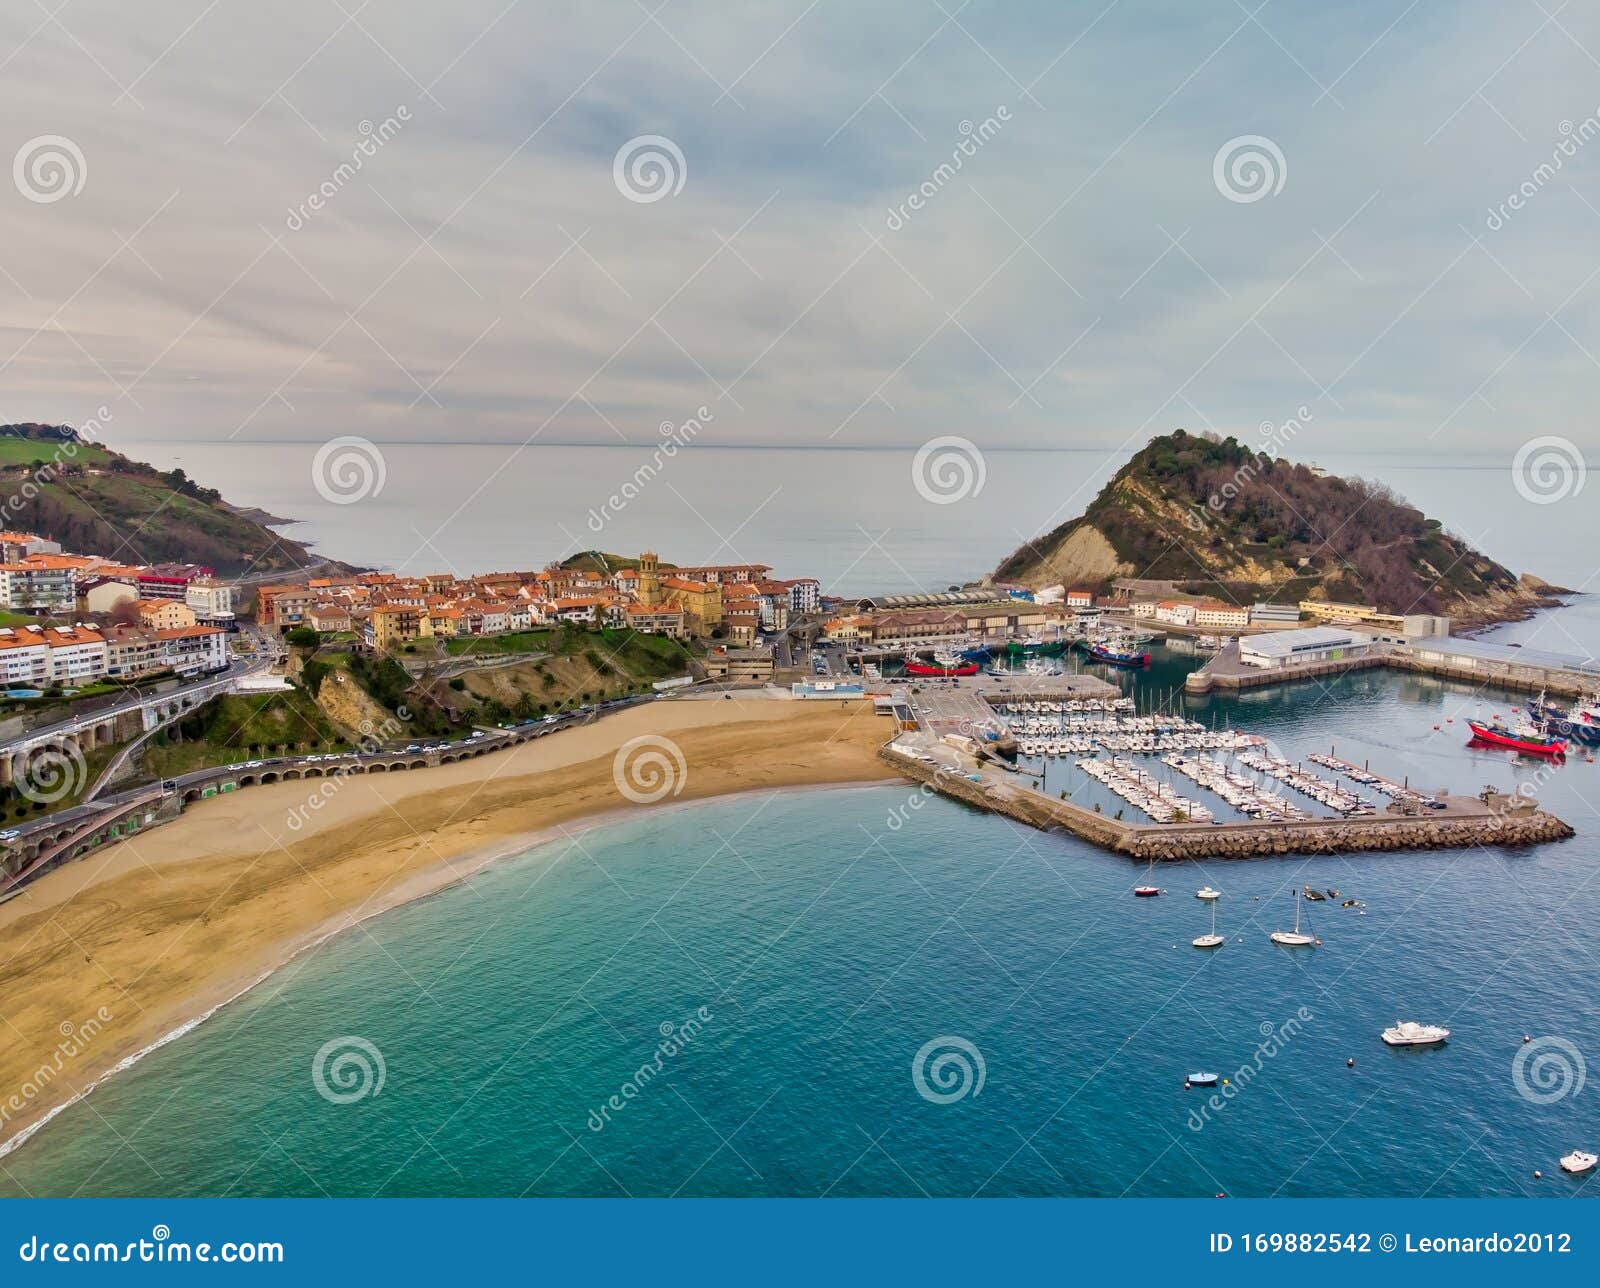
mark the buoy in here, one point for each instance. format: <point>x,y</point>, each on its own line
<point>1526,1039</point>
<point>1221,1195</point>
<point>1436,726</point>
<point>1538,1176</point>
<point>1350,1063</point>
<point>1224,1082</point>
<point>1186,1084</point>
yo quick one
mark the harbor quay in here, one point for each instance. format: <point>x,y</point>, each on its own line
<point>984,783</point>
<point>1447,657</point>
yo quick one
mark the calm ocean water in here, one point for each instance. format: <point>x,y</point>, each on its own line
<point>854,519</point>
<point>828,949</point>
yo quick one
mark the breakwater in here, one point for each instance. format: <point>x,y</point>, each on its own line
<point>1466,822</point>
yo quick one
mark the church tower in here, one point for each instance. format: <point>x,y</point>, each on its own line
<point>649,579</point>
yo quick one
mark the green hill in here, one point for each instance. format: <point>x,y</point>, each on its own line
<point>96,501</point>
<point>1217,517</point>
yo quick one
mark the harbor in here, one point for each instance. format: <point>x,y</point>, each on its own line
<point>1074,752</point>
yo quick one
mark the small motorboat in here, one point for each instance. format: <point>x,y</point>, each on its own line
<point>1576,1162</point>
<point>1314,894</point>
<point>1147,892</point>
<point>1332,894</point>
<point>1411,1034</point>
<point>1210,1080</point>
<point>1206,892</point>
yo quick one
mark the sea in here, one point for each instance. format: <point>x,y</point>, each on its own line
<point>870,991</point>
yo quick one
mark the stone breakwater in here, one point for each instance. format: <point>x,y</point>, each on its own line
<point>1480,826</point>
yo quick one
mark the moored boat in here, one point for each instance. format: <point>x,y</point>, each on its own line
<point>1104,650</point>
<point>941,671</point>
<point>1410,1033</point>
<point>1578,1162</point>
<point>1523,737</point>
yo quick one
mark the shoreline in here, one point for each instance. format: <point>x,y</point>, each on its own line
<point>718,743</point>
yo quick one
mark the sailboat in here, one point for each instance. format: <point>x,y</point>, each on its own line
<point>1213,940</point>
<point>1148,891</point>
<point>1295,938</point>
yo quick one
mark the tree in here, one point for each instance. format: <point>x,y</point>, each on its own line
<point>302,637</point>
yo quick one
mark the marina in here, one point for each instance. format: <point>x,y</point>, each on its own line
<point>1075,752</point>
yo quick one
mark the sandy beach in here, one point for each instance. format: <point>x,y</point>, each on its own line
<point>153,932</point>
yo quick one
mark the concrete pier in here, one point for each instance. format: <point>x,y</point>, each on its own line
<point>1227,673</point>
<point>1465,822</point>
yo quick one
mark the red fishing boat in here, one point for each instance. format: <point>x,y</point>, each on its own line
<point>928,668</point>
<point>1524,738</point>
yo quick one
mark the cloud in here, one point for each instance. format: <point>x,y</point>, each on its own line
<point>481,278</point>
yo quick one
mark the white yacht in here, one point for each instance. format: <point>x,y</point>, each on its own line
<point>1410,1033</point>
<point>1578,1162</point>
<point>1207,893</point>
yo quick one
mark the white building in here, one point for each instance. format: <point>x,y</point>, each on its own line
<point>24,658</point>
<point>1144,607</point>
<point>211,600</point>
<point>1175,612</point>
<point>1277,649</point>
<point>1215,613</point>
<point>192,649</point>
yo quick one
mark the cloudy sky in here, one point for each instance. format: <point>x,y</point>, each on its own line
<point>1090,273</point>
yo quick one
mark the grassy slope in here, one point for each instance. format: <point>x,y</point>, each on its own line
<point>92,499</point>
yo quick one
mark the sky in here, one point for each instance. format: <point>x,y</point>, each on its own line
<point>1094,271</point>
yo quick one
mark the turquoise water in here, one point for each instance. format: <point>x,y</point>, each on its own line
<point>827,948</point>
